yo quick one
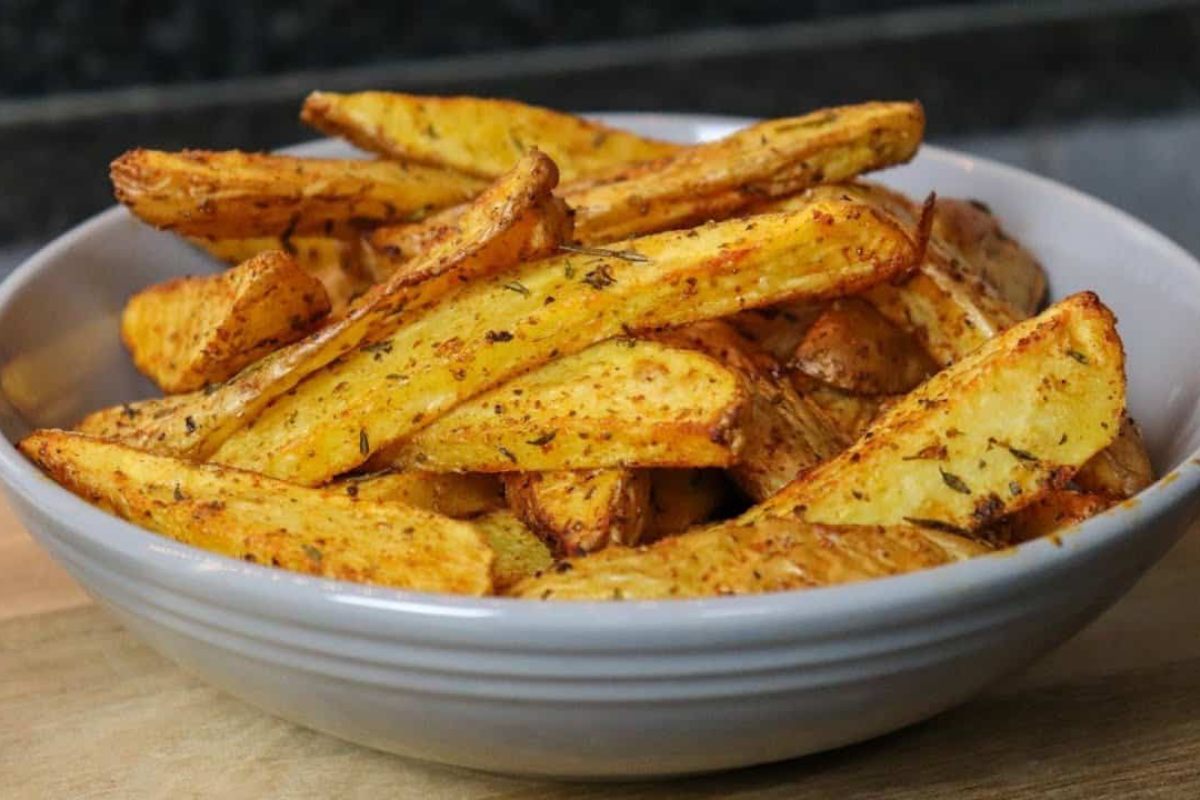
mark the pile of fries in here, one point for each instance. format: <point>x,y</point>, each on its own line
<point>525,354</point>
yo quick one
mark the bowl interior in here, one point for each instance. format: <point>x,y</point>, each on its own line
<point>61,354</point>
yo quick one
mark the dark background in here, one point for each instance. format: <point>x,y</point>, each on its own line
<point>1104,94</point>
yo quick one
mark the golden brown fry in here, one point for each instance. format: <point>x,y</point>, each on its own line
<point>519,554</point>
<point>236,194</point>
<point>254,518</point>
<point>191,332</point>
<point>782,433</point>
<point>457,495</point>
<point>854,348</point>
<point>682,498</point>
<point>769,555</point>
<point>1122,469</point>
<point>340,416</point>
<point>618,403</point>
<point>493,236</point>
<point>1054,511</point>
<point>984,437</point>
<point>478,136</point>
<point>582,511</point>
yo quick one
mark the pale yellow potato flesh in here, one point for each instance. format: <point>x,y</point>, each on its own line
<point>582,511</point>
<point>475,135</point>
<point>519,554</point>
<point>985,436</point>
<point>458,495</point>
<point>494,234</point>
<point>618,403</point>
<point>190,332</point>
<point>253,518</point>
<point>731,558</point>
<point>236,194</point>
<point>341,415</point>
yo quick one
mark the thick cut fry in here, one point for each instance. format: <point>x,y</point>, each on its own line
<point>718,179</point>
<point>1120,470</point>
<point>253,518</point>
<point>457,495</point>
<point>191,332</point>
<point>782,433</point>
<point>236,194</point>
<point>1057,509</point>
<point>494,234</point>
<point>852,347</point>
<point>582,511</point>
<point>770,555</point>
<point>985,436</point>
<point>681,498</point>
<point>340,416</point>
<point>618,403</point>
<point>519,553</point>
<point>478,136</point>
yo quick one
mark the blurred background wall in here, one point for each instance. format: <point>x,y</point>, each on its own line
<point>1103,94</point>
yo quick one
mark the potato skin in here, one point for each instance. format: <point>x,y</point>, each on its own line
<point>187,333</point>
<point>1120,470</point>
<point>581,511</point>
<point>683,498</point>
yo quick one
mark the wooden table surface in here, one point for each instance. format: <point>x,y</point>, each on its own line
<point>87,711</point>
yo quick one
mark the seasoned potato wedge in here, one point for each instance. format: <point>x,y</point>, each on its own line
<point>778,330</point>
<point>235,194</point>
<point>519,553</point>
<point>459,495</point>
<point>852,347</point>
<point>682,498</point>
<point>768,555</point>
<point>254,518</point>
<point>618,403</point>
<point>1055,510</point>
<point>191,332</point>
<point>340,416</point>
<point>782,434</point>
<point>848,413</point>
<point>1120,470</point>
<point>478,136</point>
<point>984,437</point>
<point>582,511</point>
<point>493,235</point>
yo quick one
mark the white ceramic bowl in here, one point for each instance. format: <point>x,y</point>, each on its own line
<point>614,689</point>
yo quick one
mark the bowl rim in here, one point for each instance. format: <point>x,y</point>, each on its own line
<point>340,605</point>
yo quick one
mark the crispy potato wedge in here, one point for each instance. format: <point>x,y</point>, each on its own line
<point>718,179</point>
<point>768,555</point>
<point>778,330</point>
<point>493,235</point>
<point>782,434</point>
<point>478,136</point>
<point>683,498</point>
<point>519,553</point>
<point>340,416</point>
<point>236,194</point>
<point>853,347</point>
<point>618,403</point>
<point>191,332</point>
<point>254,518</point>
<point>848,413</point>
<point>970,227</point>
<point>458,495</point>
<point>1120,470</point>
<point>984,437</point>
<point>581,511</point>
<point>1050,513</point>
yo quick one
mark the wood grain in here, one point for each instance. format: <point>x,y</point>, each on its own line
<point>88,712</point>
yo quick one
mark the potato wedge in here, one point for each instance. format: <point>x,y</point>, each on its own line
<point>581,511</point>
<point>1120,470</point>
<point>191,332</point>
<point>457,495</point>
<point>778,330</point>
<point>1050,513</point>
<point>848,413</point>
<point>478,136</point>
<point>984,437</point>
<point>618,403</point>
<point>253,518</point>
<point>853,347</point>
<point>718,179</point>
<point>683,498</point>
<point>782,434</point>
<point>493,235</point>
<point>768,555</point>
<point>342,415</point>
<point>236,194</point>
<point>519,553</point>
